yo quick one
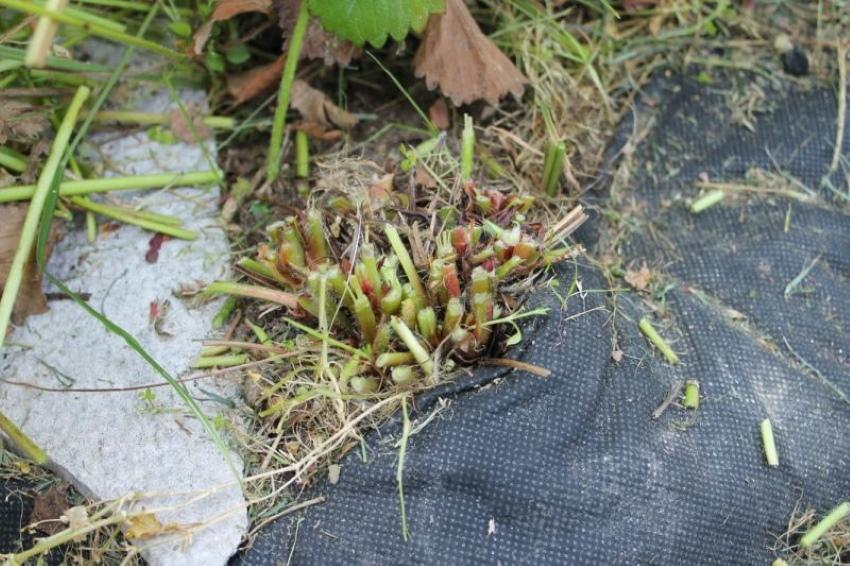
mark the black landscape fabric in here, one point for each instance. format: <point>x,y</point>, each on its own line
<point>572,469</point>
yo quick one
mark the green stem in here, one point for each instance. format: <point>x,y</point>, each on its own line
<point>825,524</point>
<point>406,335</point>
<point>30,227</point>
<point>152,119</point>
<point>226,361</point>
<point>22,441</point>
<point>42,36</point>
<point>93,29</point>
<point>691,400</point>
<point>253,292</point>
<point>769,442</point>
<point>90,186</point>
<point>406,262</point>
<point>135,219</point>
<point>130,5</point>
<point>558,153</point>
<point>467,148</point>
<point>223,313</point>
<point>392,359</point>
<point>707,201</point>
<point>53,62</point>
<point>318,335</point>
<point>12,160</point>
<point>655,338</point>
<point>91,227</point>
<point>285,91</point>
<point>84,16</point>
<point>45,544</point>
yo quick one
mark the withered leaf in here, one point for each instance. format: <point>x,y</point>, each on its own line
<point>31,299</point>
<point>315,106</point>
<point>20,121</point>
<point>252,83</point>
<point>183,131</point>
<point>47,508</point>
<point>639,279</point>
<point>439,114</point>
<point>318,43</point>
<point>224,10</point>
<point>146,525</point>
<point>457,57</point>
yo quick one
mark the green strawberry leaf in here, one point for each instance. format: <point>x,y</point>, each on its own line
<point>360,21</point>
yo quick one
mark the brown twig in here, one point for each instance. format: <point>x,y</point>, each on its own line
<point>672,395</point>
<point>516,364</point>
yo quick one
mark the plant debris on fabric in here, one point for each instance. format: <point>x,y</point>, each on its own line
<point>400,252</point>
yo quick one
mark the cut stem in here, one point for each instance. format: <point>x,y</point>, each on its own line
<point>405,261</point>
<point>12,160</point>
<point>419,353</point>
<point>42,38</point>
<point>691,400</point>
<point>467,148</point>
<point>285,91</point>
<point>769,443</point>
<point>22,441</point>
<point>656,340</point>
<point>707,200</point>
<point>825,524</point>
<point>31,221</point>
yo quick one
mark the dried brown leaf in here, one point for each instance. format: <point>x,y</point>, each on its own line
<point>639,279</point>
<point>47,508</point>
<point>457,57</point>
<point>318,43</point>
<point>31,299</point>
<point>256,81</point>
<point>224,10</point>
<point>20,121</point>
<point>183,131</point>
<point>317,131</point>
<point>315,106</point>
<point>439,114</point>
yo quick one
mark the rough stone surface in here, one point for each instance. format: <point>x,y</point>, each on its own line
<point>111,444</point>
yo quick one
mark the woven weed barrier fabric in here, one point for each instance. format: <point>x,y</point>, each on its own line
<point>572,469</point>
